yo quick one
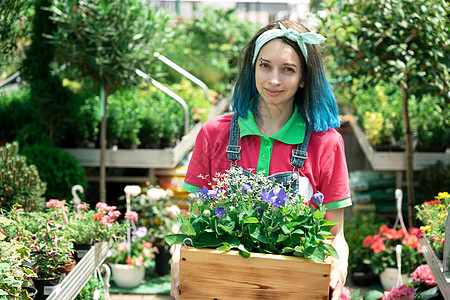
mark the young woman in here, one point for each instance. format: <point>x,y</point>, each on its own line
<point>284,115</point>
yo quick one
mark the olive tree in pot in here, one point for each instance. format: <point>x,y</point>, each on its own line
<point>107,41</point>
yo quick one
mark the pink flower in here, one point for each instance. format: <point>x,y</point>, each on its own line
<point>101,206</point>
<point>345,294</point>
<point>131,215</point>
<point>82,206</point>
<point>402,292</point>
<point>139,261</point>
<point>122,246</point>
<point>423,274</point>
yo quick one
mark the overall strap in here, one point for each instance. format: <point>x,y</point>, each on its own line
<point>299,155</point>
<point>233,148</point>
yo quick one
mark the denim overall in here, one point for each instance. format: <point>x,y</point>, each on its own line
<point>289,179</point>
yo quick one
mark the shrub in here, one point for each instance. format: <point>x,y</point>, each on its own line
<point>58,169</point>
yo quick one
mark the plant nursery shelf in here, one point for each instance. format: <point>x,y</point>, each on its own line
<point>394,161</point>
<point>72,284</point>
<point>212,274</point>
<point>436,265</point>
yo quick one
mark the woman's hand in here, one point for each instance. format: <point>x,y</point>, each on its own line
<point>338,266</point>
<point>175,273</point>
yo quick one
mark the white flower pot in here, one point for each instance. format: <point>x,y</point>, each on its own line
<point>126,276</point>
<point>389,278</point>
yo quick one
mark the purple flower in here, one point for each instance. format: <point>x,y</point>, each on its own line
<point>245,188</point>
<point>205,193</point>
<point>265,195</point>
<point>278,197</point>
<point>140,232</point>
<point>317,198</point>
<point>220,211</point>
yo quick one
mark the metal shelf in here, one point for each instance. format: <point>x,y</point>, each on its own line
<point>72,284</point>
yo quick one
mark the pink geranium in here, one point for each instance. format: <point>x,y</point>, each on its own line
<point>402,292</point>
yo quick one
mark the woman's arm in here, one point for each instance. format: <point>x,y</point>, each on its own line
<point>338,267</point>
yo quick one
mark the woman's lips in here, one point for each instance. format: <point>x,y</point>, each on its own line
<point>272,93</point>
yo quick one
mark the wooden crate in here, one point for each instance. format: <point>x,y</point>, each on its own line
<point>211,274</point>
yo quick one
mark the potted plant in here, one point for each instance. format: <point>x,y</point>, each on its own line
<point>382,258</point>
<point>88,226</point>
<point>128,261</point>
<point>433,215</point>
<point>261,217</point>
<point>13,275</point>
<point>158,213</point>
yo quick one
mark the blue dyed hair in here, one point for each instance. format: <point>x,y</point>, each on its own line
<point>315,101</point>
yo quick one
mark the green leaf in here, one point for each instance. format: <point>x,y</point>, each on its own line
<point>315,253</point>
<point>251,220</point>
<point>285,229</point>
<point>230,239</point>
<point>173,239</point>
<point>331,250</point>
<point>287,250</point>
<point>207,240</point>
<point>187,228</point>
<point>373,295</point>
<point>225,247</point>
<point>255,232</point>
<point>318,215</point>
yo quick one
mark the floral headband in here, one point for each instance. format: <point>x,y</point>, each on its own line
<point>293,35</point>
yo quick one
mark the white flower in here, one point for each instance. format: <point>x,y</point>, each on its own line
<point>133,190</point>
<point>173,211</point>
<point>156,193</point>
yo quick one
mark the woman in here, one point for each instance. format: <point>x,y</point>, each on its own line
<point>284,114</point>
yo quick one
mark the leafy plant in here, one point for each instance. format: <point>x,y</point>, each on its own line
<point>12,274</point>
<point>433,215</point>
<point>256,217</point>
<point>58,169</point>
<point>19,182</point>
<point>382,252</point>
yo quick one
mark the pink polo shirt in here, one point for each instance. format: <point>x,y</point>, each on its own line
<point>325,167</point>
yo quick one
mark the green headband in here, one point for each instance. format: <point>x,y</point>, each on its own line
<point>293,35</point>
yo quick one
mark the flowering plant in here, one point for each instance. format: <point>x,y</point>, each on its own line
<point>157,213</point>
<point>433,215</point>
<point>141,251</point>
<point>256,215</point>
<point>87,226</point>
<point>382,253</point>
<point>45,234</point>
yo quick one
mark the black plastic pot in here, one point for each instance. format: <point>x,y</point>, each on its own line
<point>45,287</point>
<point>162,259</point>
<point>31,291</point>
<point>80,251</point>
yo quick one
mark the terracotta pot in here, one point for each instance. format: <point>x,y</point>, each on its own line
<point>127,276</point>
<point>66,268</point>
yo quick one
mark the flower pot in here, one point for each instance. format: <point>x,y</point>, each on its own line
<point>162,258</point>
<point>212,274</point>
<point>65,270</point>
<point>45,287</point>
<point>127,276</point>
<point>80,250</point>
<point>389,278</point>
<point>31,291</point>
<point>363,277</point>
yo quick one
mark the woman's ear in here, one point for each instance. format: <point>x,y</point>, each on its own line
<point>302,84</point>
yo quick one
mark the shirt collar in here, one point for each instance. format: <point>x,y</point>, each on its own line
<point>291,133</point>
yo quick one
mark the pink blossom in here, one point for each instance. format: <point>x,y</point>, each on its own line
<point>131,215</point>
<point>82,206</point>
<point>423,274</point>
<point>402,292</point>
<point>122,246</point>
<point>139,261</point>
<point>345,294</point>
<point>101,206</point>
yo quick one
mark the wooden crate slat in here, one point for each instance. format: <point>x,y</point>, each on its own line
<point>211,274</point>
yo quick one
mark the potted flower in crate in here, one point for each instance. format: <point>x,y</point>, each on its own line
<point>383,253</point>
<point>158,213</point>
<point>13,275</point>
<point>271,230</point>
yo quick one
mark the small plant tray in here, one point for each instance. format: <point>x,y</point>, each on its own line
<point>212,274</point>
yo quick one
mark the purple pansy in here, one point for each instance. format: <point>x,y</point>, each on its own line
<point>220,211</point>
<point>317,198</point>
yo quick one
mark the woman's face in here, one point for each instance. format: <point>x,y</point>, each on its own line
<point>278,73</point>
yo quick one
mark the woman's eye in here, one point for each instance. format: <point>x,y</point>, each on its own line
<point>289,69</point>
<point>264,65</point>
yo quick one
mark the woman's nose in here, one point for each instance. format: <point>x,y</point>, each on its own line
<point>274,78</point>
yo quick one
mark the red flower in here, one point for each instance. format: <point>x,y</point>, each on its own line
<point>129,261</point>
<point>98,217</point>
